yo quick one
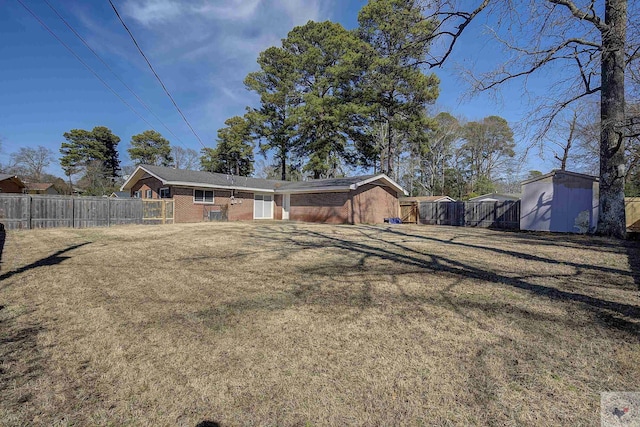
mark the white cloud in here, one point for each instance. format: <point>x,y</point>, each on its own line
<point>149,12</point>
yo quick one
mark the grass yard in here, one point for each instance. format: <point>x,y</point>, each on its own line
<point>305,324</point>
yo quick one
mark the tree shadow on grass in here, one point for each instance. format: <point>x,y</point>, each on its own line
<point>380,248</point>
<point>52,259</point>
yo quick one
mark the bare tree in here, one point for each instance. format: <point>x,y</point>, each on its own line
<point>33,161</point>
<point>589,37</point>
<point>185,158</point>
<point>568,143</point>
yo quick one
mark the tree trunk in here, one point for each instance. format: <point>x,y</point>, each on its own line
<point>283,165</point>
<point>611,219</point>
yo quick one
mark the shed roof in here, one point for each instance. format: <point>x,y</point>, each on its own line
<point>560,172</point>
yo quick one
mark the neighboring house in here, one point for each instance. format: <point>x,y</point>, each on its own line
<point>496,197</point>
<point>200,195</point>
<point>40,188</point>
<point>560,201</point>
<point>11,184</point>
<point>419,199</point>
<point>121,195</point>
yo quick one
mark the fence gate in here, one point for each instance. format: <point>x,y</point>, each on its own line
<point>158,211</point>
<point>409,213</point>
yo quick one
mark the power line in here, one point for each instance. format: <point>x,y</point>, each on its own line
<point>84,63</point>
<point>113,6</point>
<point>113,72</point>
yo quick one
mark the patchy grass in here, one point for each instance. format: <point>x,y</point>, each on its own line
<point>303,324</point>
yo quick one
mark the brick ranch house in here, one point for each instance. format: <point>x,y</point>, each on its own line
<point>200,195</point>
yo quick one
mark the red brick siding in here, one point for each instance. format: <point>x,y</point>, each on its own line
<point>373,203</point>
<point>368,204</point>
<point>145,184</point>
<point>320,207</point>
<point>277,209</point>
<point>189,211</point>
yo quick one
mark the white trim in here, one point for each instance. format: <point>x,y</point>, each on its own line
<point>133,175</point>
<point>222,187</point>
<point>204,197</point>
<point>381,176</point>
<point>315,190</point>
<point>286,202</point>
<point>146,193</point>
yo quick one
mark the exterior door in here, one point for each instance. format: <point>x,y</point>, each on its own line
<point>286,204</point>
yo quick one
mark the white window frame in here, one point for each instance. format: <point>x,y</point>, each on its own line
<point>148,194</point>
<point>163,189</point>
<point>204,196</point>
<point>137,194</point>
<point>262,196</point>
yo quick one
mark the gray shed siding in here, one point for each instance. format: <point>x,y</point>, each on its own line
<point>554,203</point>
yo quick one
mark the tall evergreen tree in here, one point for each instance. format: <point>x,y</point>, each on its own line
<point>395,85</point>
<point>272,122</point>
<point>92,153</point>
<point>150,148</point>
<point>234,152</point>
<point>328,61</point>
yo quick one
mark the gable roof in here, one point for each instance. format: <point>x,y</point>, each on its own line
<point>14,178</point>
<point>428,199</point>
<point>560,172</point>
<point>38,186</point>
<point>180,177</point>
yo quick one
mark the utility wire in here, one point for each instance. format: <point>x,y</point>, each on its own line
<point>113,72</point>
<point>113,6</point>
<point>84,63</point>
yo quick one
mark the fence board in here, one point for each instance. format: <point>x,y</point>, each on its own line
<point>48,211</point>
<point>125,211</point>
<point>22,211</point>
<point>632,211</point>
<point>471,214</point>
<point>15,211</point>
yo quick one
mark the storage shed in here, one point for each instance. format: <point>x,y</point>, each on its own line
<point>560,201</point>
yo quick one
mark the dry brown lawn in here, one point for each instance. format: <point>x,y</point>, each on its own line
<point>303,324</point>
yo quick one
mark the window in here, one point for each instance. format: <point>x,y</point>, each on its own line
<point>262,206</point>
<point>137,194</point>
<point>148,194</point>
<point>164,193</point>
<point>203,196</point>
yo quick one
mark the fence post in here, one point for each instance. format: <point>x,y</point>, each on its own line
<point>164,212</point>
<point>108,211</point>
<point>29,211</point>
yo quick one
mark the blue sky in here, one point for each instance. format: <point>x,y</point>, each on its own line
<point>202,50</point>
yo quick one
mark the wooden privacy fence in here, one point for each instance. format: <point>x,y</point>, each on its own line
<point>471,214</point>
<point>21,211</point>
<point>632,211</point>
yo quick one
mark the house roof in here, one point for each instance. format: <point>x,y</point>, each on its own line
<point>38,186</point>
<point>121,194</point>
<point>427,199</point>
<point>560,172</point>
<point>14,178</point>
<point>494,195</point>
<point>180,177</point>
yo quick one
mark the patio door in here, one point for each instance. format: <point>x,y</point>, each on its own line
<point>286,205</point>
<point>263,206</point>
